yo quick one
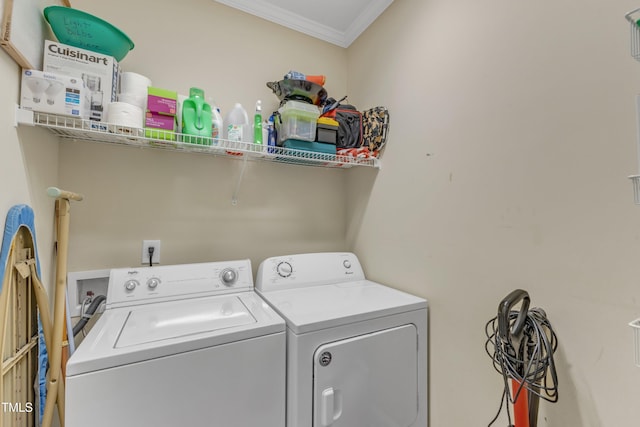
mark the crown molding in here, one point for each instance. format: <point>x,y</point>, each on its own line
<point>266,10</point>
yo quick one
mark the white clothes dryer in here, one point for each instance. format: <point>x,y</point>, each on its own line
<point>356,349</point>
<point>182,345</point>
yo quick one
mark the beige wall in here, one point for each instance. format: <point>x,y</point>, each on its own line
<point>512,133</point>
<point>185,199</point>
<point>28,165</point>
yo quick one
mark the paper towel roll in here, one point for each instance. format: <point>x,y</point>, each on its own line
<point>134,83</point>
<point>123,114</point>
<point>137,99</point>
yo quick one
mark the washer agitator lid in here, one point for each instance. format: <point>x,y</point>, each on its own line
<point>128,335</point>
<point>175,319</point>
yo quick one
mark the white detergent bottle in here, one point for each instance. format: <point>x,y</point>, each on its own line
<point>236,122</point>
<point>217,128</point>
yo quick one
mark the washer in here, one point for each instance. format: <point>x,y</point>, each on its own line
<point>356,350</point>
<point>183,345</point>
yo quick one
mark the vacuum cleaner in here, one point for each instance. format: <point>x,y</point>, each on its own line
<point>521,344</point>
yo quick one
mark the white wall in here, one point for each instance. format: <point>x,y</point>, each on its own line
<point>28,165</point>
<point>512,134</point>
<point>185,199</point>
<point>513,131</point>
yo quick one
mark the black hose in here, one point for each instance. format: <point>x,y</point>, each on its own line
<point>88,314</point>
<point>531,363</point>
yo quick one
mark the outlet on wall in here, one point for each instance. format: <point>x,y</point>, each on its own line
<point>146,244</point>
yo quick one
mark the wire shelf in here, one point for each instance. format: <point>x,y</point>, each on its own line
<point>88,130</point>
<point>634,17</point>
<point>636,340</point>
<point>635,180</point>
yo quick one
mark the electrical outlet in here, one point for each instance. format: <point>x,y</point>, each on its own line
<point>146,244</point>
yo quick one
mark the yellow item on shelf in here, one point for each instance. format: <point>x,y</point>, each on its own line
<point>327,121</point>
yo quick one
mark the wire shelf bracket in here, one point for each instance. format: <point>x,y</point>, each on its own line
<point>636,340</point>
<point>635,179</point>
<point>634,25</point>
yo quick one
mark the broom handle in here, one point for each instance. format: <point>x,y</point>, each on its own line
<point>55,358</point>
<point>63,194</point>
<point>55,387</point>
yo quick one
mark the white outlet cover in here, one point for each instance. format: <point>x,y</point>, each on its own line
<point>145,251</point>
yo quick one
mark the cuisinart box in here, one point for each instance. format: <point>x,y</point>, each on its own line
<point>99,72</point>
<point>53,93</point>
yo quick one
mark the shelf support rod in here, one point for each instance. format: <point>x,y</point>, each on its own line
<point>23,117</point>
<point>638,129</point>
<point>234,197</point>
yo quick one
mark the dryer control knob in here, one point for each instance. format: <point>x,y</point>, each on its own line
<point>346,263</point>
<point>153,282</point>
<point>284,269</point>
<point>130,285</point>
<point>228,276</point>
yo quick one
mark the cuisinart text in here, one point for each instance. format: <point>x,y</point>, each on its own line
<point>72,53</point>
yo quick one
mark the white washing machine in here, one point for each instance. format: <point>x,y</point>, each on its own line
<point>183,345</point>
<point>356,350</point>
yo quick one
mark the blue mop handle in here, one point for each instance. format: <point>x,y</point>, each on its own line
<point>63,194</point>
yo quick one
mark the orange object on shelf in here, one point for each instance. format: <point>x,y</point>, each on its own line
<point>318,79</point>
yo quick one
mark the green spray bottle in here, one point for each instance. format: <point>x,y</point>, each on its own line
<point>257,123</point>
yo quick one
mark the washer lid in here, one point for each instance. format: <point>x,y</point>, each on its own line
<point>126,335</point>
<point>150,324</point>
<point>318,307</point>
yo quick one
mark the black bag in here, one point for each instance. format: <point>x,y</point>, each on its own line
<point>349,127</point>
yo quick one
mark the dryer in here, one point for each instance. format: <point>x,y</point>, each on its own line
<point>356,349</point>
<point>183,345</point>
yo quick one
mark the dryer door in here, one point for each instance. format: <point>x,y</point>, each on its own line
<point>369,380</point>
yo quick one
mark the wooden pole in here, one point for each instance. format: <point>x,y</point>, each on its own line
<point>45,319</point>
<point>55,383</point>
<point>59,322</point>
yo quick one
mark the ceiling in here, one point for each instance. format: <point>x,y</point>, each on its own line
<point>335,21</point>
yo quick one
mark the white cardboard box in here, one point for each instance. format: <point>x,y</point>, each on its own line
<point>99,72</point>
<point>53,93</point>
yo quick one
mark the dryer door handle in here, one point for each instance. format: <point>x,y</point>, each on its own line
<point>330,406</point>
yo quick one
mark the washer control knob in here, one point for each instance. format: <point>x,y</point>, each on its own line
<point>130,285</point>
<point>346,263</point>
<point>153,282</point>
<point>228,276</point>
<point>284,269</point>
